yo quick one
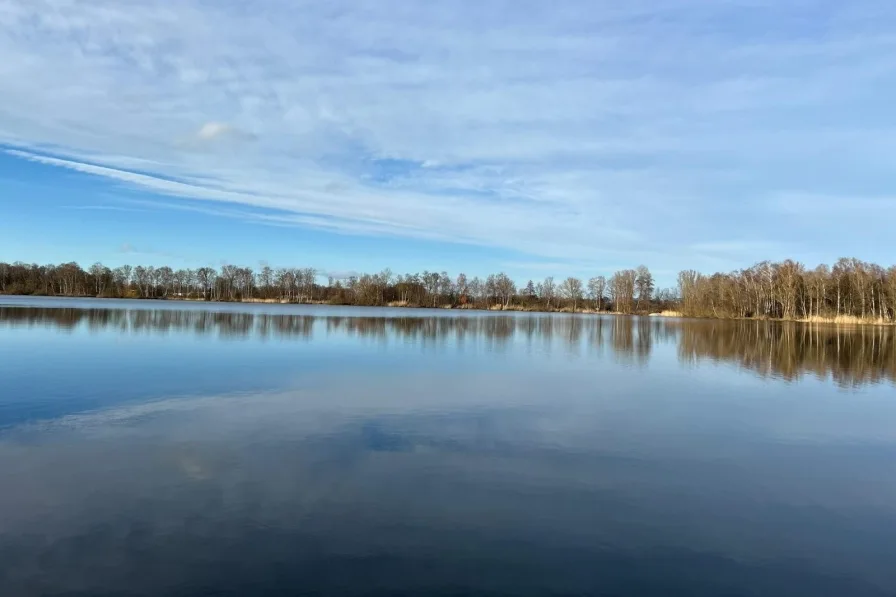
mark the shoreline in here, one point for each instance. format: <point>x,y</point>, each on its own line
<point>846,321</point>
<point>319,303</point>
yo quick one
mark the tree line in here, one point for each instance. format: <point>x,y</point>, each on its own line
<point>850,290</point>
<point>626,291</point>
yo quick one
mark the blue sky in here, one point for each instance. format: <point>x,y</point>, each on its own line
<point>565,138</point>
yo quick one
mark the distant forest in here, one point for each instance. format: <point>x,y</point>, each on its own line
<point>849,291</point>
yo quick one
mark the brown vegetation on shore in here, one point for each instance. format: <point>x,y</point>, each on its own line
<point>850,292</point>
<point>627,291</point>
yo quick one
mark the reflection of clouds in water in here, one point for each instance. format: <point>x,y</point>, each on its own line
<point>161,494</point>
<point>527,474</point>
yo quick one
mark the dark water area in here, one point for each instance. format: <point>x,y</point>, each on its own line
<point>166,448</point>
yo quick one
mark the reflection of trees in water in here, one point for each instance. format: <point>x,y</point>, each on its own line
<point>850,356</point>
<point>595,335</point>
<point>622,338</point>
<point>644,340</point>
<point>631,338</point>
<point>573,333</point>
<point>229,325</point>
<point>496,330</point>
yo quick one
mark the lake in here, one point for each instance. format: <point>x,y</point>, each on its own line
<point>172,448</point>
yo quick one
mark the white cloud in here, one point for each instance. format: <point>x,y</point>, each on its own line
<point>571,133</point>
<point>221,131</point>
<point>210,130</point>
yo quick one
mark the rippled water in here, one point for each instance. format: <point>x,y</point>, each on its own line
<point>161,448</point>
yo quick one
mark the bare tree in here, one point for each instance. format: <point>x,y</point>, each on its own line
<point>622,288</point>
<point>431,282</point>
<point>547,290</point>
<point>851,290</point>
<point>571,289</point>
<point>596,288</point>
<point>505,288</point>
<point>462,287</point>
<point>206,277</point>
<point>122,277</point>
<point>141,278</point>
<point>266,281</point>
<point>165,279</point>
<point>478,290</point>
<point>309,278</point>
<point>644,286</point>
<point>446,286</point>
<point>101,275</point>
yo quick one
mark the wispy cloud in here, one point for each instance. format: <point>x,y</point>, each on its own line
<point>212,134</point>
<point>570,133</point>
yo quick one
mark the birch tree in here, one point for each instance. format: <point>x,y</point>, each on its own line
<point>596,288</point>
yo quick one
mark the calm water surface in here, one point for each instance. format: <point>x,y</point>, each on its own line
<point>153,448</point>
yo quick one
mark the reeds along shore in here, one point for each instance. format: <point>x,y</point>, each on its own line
<point>849,292</point>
